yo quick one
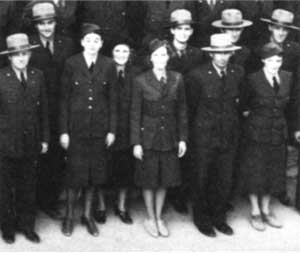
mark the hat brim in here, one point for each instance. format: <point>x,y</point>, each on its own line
<point>219,24</point>
<point>221,49</point>
<point>176,23</point>
<point>269,21</point>
<point>40,18</point>
<point>30,47</point>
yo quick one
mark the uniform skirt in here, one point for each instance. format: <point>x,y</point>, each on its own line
<point>121,165</point>
<point>263,168</point>
<point>158,169</point>
<point>86,162</point>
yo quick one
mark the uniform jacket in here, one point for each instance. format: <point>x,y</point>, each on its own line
<point>158,112</point>
<point>241,57</point>
<point>214,106</point>
<point>52,67</point>
<point>191,58</point>
<point>23,113</point>
<point>266,122</point>
<point>88,101</point>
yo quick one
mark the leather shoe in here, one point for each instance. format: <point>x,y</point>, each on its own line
<point>8,235</point>
<point>67,226</point>
<point>224,228</point>
<point>90,225</point>
<point>180,206</point>
<point>257,222</point>
<point>271,220</point>
<point>285,200</point>
<point>31,235</point>
<point>100,216</point>
<point>123,215</point>
<point>207,230</point>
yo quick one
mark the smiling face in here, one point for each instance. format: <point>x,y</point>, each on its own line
<point>182,33</point>
<point>159,58</point>
<point>272,64</point>
<point>221,59</point>
<point>46,28</point>
<point>121,54</point>
<point>278,33</point>
<point>20,60</point>
<point>92,43</point>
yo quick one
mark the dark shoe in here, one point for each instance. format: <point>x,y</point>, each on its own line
<point>285,200</point>
<point>224,228</point>
<point>123,215</point>
<point>207,230</point>
<point>8,235</point>
<point>67,227</point>
<point>229,207</point>
<point>90,225</point>
<point>100,216</point>
<point>180,206</point>
<point>54,214</point>
<point>31,235</point>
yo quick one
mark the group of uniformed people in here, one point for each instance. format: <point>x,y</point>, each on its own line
<point>191,101</point>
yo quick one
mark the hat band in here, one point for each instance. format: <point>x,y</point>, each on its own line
<point>19,48</point>
<point>232,23</point>
<point>46,16</point>
<point>280,22</point>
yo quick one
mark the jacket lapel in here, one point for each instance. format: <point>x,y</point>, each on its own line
<point>98,66</point>
<point>152,81</point>
<point>82,65</point>
<point>266,83</point>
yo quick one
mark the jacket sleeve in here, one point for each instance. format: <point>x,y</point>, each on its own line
<point>135,113</point>
<point>112,101</point>
<point>64,99</point>
<point>44,119</point>
<point>182,121</point>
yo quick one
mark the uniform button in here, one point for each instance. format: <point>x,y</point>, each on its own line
<point>90,107</point>
<point>162,127</point>
<point>90,90</point>
<point>163,107</point>
<point>90,98</point>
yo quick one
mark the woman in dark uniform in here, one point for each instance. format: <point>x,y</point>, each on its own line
<point>263,150</point>
<point>158,133</point>
<point>87,122</point>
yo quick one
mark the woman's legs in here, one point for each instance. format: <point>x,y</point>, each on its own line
<point>265,204</point>
<point>101,200</point>
<point>148,195</point>
<point>67,225</point>
<point>255,209</point>
<point>88,200</point>
<point>256,218</point>
<point>122,199</point>
<point>160,196</point>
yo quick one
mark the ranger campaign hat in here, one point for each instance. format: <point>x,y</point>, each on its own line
<point>220,42</point>
<point>282,18</point>
<point>42,10</point>
<point>17,42</point>
<point>232,18</point>
<point>180,17</point>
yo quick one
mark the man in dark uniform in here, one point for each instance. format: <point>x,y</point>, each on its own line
<point>213,101</point>
<point>280,26</point>
<point>50,57</point>
<point>24,133</point>
<point>183,58</point>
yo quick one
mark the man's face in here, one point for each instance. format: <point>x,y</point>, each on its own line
<point>221,59</point>
<point>235,34</point>
<point>278,33</point>
<point>92,43</point>
<point>20,60</point>
<point>273,64</point>
<point>182,33</point>
<point>46,28</point>
<point>121,54</point>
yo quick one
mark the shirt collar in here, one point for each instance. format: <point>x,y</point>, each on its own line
<point>219,70</point>
<point>89,60</point>
<point>18,73</point>
<point>160,75</point>
<point>270,77</point>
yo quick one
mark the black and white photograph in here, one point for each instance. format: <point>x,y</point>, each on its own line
<point>149,126</point>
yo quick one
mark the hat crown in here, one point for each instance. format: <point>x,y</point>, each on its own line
<point>270,49</point>
<point>17,40</point>
<point>220,40</point>
<point>180,15</point>
<point>231,16</point>
<point>283,16</point>
<point>43,10</point>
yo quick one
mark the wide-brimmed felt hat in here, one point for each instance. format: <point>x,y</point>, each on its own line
<point>231,18</point>
<point>221,42</point>
<point>270,49</point>
<point>42,9</point>
<point>17,42</point>
<point>180,17</point>
<point>282,18</point>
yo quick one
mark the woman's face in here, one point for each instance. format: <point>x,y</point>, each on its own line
<point>273,64</point>
<point>121,54</point>
<point>92,43</point>
<point>159,58</point>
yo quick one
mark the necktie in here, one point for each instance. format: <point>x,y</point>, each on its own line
<point>121,77</point>
<point>48,48</point>
<point>91,68</point>
<point>223,76</point>
<point>275,85</point>
<point>23,80</point>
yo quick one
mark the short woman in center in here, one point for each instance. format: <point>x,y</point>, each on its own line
<point>158,133</point>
